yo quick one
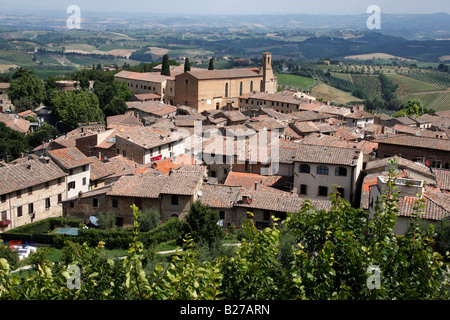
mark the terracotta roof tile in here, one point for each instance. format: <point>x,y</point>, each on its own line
<point>223,74</point>
<point>69,158</point>
<point>279,202</point>
<point>219,196</point>
<point>416,142</point>
<point>442,178</point>
<point>28,172</point>
<point>326,155</point>
<point>99,169</point>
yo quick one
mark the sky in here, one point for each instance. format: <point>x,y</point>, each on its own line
<point>329,7</point>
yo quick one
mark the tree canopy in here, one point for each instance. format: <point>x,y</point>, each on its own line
<point>26,90</point>
<point>75,107</point>
<point>165,69</point>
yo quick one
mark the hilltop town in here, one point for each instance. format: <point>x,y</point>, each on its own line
<point>231,139</point>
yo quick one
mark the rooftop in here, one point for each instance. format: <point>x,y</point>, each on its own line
<point>69,158</point>
<point>223,74</point>
<point>28,172</point>
<point>326,155</point>
<point>143,76</point>
<point>416,142</point>
<point>148,138</point>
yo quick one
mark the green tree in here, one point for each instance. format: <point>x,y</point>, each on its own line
<point>412,107</point>
<point>106,221</point>
<point>84,82</point>
<point>26,85</point>
<point>12,143</point>
<point>75,107</point>
<point>165,69</point>
<point>187,65</point>
<point>201,224</point>
<point>211,64</point>
<point>149,220</point>
<point>45,133</point>
<point>115,107</point>
<point>106,91</point>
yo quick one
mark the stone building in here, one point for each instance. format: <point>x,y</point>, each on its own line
<point>144,145</point>
<point>318,169</point>
<point>5,103</point>
<point>76,165</point>
<point>149,82</point>
<point>31,189</point>
<point>432,152</point>
<point>214,89</point>
<point>171,195</point>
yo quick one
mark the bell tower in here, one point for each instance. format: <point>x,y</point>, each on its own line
<point>270,82</point>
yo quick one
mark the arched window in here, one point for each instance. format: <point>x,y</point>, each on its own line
<point>322,170</point>
<point>251,86</point>
<point>305,168</point>
<point>226,90</point>
<point>240,89</point>
<point>341,171</point>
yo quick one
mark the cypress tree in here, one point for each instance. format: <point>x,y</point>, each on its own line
<point>165,71</point>
<point>211,64</point>
<point>187,65</point>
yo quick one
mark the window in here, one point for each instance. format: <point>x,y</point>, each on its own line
<point>84,168</point>
<point>30,191</point>
<point>19,194</point>
<point>72,204</point>
<point>84,181</point>
<point>47,203</point>
<point>262,87</point>
<point>19,211</point>
<point>30,208</point>
<point>323,191</point>
<point>305,168</point>
<point>4,215</point>
<point>118,151</point>
<point>174,200</point>
<point>95,203</point>
<point>251,86</point>
<point>47,185</point>
<point>322,170</point>
<point>60,198</point>
<point>115,203</point>
<point>71,185</point>
<point>124,153</point>
<point>341,192</point>
<point>213,174</point>
<point>266,215</point>
<point>303,189</point>
<point>59,181</point>
<point>341,171</point>
<point>226,90</point>
<point>70,172</point>
<point>3,198</point>
<point>222,215</point>
<point>240,89</point>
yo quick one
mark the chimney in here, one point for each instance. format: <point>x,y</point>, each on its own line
<point>256,186</point>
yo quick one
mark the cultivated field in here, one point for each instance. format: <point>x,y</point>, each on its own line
<point>372,56</point>
<point>295,82</point>
<point>329,93</point>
